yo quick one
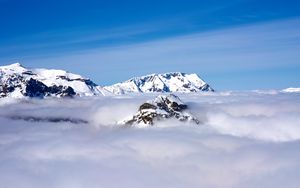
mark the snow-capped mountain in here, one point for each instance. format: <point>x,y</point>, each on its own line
<point>161,108</point>
<point>168,82</point>
<point>18,81</point>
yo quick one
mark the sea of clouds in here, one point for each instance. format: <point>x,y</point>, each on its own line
<point>246,139</point>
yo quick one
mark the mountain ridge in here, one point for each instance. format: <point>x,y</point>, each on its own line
<point>161,82</point>
<point>19,81</point>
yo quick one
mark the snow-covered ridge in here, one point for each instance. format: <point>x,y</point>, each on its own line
<point>167,82</point>
<point>18,81</point>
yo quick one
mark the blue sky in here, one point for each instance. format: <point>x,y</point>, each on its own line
<point>237,44</point>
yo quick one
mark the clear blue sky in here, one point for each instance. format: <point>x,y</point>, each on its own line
<point>236,44</point>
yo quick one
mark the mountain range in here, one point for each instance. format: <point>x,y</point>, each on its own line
<point>18,81</point>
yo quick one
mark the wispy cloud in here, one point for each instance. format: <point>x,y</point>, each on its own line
<point>263,46</point>
<point>74,39</point>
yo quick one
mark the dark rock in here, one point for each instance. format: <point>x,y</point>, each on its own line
<point>162,107</point>
<point>147,106</point>
<point>35,88</point>
<point>63,91</point>
<point>28,73</point>
<point>10,84</point>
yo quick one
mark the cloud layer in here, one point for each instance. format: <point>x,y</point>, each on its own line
<point>247,140</point>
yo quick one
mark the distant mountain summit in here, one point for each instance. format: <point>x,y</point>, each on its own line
<point>18,81</point>
<point>167,82</point>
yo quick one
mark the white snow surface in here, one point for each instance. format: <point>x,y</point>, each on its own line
<point>167,82</point>
<point>50,77</point>
<point>247,140</point>
<point>171,97</point>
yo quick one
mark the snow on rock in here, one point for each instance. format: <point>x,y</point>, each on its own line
<point>167,82</point>
<point>18,81</point>
<point>162,107</point>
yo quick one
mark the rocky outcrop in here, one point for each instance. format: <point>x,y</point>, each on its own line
<point>35,88</point>
<point>161,108</point>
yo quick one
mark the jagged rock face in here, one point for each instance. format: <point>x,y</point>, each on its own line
<point>36,88</point>
<point>163,83</point>
<point>17,81</point>
<point>162,107</point>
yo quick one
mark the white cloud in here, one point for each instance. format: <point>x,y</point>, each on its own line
<point>247,140</point>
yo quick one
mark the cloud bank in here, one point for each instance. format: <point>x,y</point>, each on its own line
<point>248,139</point>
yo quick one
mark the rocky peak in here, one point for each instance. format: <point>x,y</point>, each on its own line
<point>162,107</point>
<point>167,82</point>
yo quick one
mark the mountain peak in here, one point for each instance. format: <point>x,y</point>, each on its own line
<point>165,82</point>
<point>161,108</point>
<point>164,74</point>
<point>18,81</point>
<point>14,67</point>
<point>17,64</point>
